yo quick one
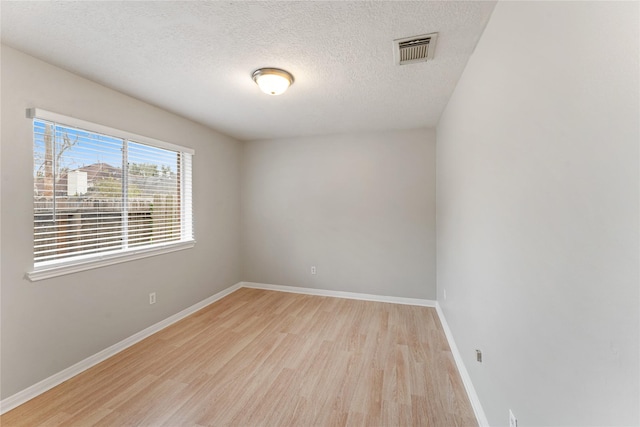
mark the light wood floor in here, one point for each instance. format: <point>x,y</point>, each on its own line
<point>271,359</point>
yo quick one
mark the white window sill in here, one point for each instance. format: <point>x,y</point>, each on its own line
<point>43,272</point>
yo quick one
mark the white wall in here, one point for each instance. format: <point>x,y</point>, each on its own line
<point>538,184</point>
<point>360,207</point>
<point>50,325</point>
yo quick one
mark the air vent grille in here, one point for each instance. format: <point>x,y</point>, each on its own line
<point>415,49</point>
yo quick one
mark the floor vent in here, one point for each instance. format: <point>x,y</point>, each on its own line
<point>415,49</point>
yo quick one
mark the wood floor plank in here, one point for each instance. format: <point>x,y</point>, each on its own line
<point>266,358</point>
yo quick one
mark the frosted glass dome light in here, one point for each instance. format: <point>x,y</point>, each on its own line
<point>272,81</point>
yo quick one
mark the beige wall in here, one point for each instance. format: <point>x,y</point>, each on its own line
<point>50,325</point>
<point>538,213</point>
<point>360,207</point>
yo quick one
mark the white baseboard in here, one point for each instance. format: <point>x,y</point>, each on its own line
<point>340,294</point>
<point>466,379</point>
<point>30,392</point>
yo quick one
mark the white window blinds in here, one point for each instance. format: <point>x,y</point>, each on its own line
<point>101,191</point>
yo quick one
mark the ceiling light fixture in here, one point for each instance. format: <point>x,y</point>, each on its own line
<point>272,81</point>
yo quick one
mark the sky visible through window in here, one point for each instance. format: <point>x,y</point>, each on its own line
<point>82,148</point>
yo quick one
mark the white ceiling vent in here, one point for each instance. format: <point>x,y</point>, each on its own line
<point>414,49</point>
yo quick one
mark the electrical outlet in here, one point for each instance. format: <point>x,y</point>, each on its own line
<point>479,355</point>
<point>445,293</point>
<point>152,298</point>
<point>513,421</point>
<point>313,269</point>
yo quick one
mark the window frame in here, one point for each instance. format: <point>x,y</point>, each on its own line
<point>82,262</point>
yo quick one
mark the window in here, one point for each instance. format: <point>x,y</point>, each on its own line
<point>102,195</point>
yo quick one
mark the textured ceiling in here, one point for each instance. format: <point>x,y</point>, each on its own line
<point>196,58</point>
